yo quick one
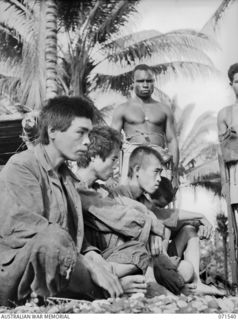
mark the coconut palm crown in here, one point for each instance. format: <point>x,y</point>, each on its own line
<point>91,52</point>
<point>198,164</point>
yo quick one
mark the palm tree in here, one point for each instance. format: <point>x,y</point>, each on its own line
<point>222,228</point>
<point>29,72</point>
<point>88,41</point>
<point>32,71</point>
<point>51,48</point>
<point>169,54</point>
<point>198,164</point>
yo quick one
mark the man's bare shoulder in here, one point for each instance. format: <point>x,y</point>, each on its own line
<point>122,107</point>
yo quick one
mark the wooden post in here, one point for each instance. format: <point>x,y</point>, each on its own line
<point>233,240</point>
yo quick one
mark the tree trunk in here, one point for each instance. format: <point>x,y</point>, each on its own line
<point>78,66</point>
<point>51,49</point>
<point>224,241</point>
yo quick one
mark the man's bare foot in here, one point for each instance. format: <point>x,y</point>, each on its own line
<point>133,284</point>
<point>204,289</point>
<point>189,288</point>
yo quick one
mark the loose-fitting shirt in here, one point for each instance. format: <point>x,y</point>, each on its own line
<point>32,196</point>
<point>169,217</point>
<point>113,222</point>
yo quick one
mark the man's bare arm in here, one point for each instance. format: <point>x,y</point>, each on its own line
<point>172,144</point>
<point>222,127</point>
<point>205,228</point>
<point>117,118</point>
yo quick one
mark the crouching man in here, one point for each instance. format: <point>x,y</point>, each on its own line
<point>42,245</point>
<point>123,230</point>
<point>144,180</point>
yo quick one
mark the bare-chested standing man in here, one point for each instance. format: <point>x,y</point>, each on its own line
<point>227,122</point>
<point>146,121</point>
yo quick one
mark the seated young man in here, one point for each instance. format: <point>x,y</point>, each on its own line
<point>42,244</point>
<point>111,224</point>
<point>144,178</point>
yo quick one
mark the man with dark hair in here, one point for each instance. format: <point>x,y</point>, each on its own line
<point>120,231</point>
<point>146,121</point>
<point>104,147</point>
<point>227,123</point>
<point>144,178</point>
<point>42,244</point>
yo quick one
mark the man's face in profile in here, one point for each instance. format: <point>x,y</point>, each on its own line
<point>104,168</point>
<point>73,142</point>
<point>149,174</point>
<point>234,83</point>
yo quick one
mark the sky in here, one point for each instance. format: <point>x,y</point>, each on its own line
<point>211,93</point>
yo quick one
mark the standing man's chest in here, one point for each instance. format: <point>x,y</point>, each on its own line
<point>137,114</point>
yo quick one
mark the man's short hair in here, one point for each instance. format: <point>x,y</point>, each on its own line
<point>142,67</point>
<point>139,155</point>
<point>59,113</point>
<point>232,70</point>
<point>103,141</point>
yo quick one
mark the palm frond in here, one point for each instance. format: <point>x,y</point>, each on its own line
<point>203,171</point>
<point>122,82</point>
<point>15,19</point>
<point>188,69</point>
<point>161,48</point>
<point>185,37</point>
<point>9,68</point>
<point>203,124</point>
<point>182,120</point>
<point>210,184</point>
<point>117,15</point>
<point>203,150</point>
<point>218,14</point>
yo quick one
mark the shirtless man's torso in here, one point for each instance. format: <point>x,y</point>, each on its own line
<point>147,121</point>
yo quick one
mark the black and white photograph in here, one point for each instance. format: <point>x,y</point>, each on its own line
<point>118,158</point>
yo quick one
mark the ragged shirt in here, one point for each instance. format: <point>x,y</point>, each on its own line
<point>113,222</point>
<point>32,196</point>
<point>169,217</point>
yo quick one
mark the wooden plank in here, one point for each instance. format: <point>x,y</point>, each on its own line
<point>5,140</point>
<point>10,140</point>
<point>11,147</point>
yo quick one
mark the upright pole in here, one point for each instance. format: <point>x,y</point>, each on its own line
<point>233,240</point>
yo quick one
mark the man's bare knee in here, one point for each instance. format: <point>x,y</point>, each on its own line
<point>189,231</point>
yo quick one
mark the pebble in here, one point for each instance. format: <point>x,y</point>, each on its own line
<point>182,304</point>
<point>137,296</point>
<point>226,305</point>
<point>213,304</point>
<point>137,303</point>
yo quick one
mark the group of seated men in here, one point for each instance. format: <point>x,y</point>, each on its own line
<point>64,234</point>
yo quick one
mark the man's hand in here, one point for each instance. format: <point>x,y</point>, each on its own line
<point>205,229</point>
<point>156,245</point>
<point>102,274</point>
<point>111,183</point>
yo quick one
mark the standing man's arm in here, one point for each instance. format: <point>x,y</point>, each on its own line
<point>173,147</point>
<point>117,118</point>
<point>222,127</point>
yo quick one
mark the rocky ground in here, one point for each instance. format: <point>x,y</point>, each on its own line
<point>137,303</point>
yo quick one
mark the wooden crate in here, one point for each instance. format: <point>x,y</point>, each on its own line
<point>10,140</point>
